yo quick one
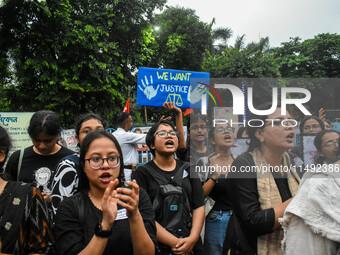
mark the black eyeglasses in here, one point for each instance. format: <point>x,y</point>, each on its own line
<point>196,128</point>
<point>97,162</point>
<point>163,134</point>
<point>222,130</point>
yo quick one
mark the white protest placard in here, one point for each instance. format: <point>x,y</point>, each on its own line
<point>16,124</point>
<point>69,139</point>
<point>240,146</point>
<point>309,149</point>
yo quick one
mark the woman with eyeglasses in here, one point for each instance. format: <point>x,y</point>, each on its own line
<point>104,217</point>
<point>310,125</point>
<point>312,220</point>
<point>177,232</point>
<point>327,144</point>
<point>214,170</point>
<point>65,179</point>
<point>262,184</point>
<point>35,164</point>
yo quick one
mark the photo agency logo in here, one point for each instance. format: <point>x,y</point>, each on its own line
<point>243,102</point>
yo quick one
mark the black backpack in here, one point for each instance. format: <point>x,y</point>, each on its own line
<point>171,204</point>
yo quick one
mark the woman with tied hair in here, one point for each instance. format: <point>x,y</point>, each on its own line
<point>65,180</point>
<point>36,163</point>
<point>24,224</point>
<point>105,217</point>
<point>263,184</point>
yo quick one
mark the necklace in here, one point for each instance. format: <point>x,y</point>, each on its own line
<point>93,201</point>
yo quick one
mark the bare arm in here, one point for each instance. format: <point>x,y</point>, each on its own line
<point>179,123</point>
<point>279,210</point>
<point>185,245</point>
<point>165,236</point>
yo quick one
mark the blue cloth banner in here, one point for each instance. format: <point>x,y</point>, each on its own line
<point>157,86</point>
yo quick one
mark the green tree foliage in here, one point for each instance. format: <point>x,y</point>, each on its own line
<point>220,38</point>
<point>313,58</point>
<point>318,57</point>
<point>182,39</point>
<point>236,62</point>
<point>253,61</point>
<point>72,56</point>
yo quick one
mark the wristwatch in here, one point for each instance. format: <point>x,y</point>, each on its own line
<point>98,231</point>
<point>215,181</point>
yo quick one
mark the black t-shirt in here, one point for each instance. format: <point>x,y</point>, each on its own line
<point>73,233</point>
<point>219,193</point>
<point>35,168</point>
<point>191,183</point>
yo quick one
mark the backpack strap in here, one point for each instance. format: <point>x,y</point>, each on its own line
<point>21,155</point>
<point>178,178</point>
<point>162,179</point>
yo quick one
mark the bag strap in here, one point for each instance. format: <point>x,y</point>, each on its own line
<point>178,178</point>
<point>21,155</point>
<point>162,179</point>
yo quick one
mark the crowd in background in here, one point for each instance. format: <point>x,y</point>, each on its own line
<point>186,200</point>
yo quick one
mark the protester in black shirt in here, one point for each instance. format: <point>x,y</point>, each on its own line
<point>214,169</point>
<point>105,217</point>
<point>163,142</point>
<point>36,163</point>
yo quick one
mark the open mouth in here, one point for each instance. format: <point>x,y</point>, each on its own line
<point>169,142</point>
<point>290,136</point>
<point>227,138</point>
<point>105,177</point>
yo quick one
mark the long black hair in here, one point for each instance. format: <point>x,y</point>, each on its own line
<point>84,184</point>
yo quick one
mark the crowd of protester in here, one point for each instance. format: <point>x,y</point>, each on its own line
<point>193,197</point>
